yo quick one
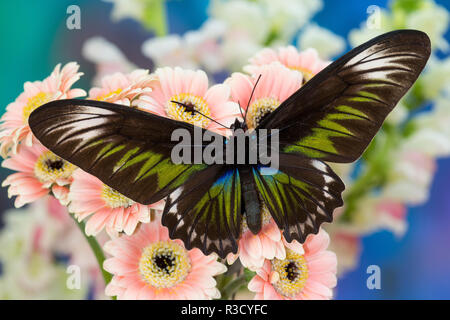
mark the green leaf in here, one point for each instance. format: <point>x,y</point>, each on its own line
<point>407,6</point>
<point>154,16</point>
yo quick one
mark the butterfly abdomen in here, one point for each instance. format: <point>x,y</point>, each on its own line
<point>250,199</point>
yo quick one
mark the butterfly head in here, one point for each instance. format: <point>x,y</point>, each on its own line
<point>238,125</point>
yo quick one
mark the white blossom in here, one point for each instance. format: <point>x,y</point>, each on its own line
<point>324,41</point>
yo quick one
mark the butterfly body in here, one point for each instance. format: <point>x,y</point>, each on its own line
<point>331,118</point>
<point>250,198</point>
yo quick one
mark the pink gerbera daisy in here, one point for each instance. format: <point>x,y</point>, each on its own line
<point>123,88</point>
<point>275,85</point>
<point>15,121</point>
<point>190,88</point>
<point>39,172</point>
<point>311,275</point>
<point>106,207</point>
<point>306,62</point>
<point>268,244</point>
<point>149,265</point>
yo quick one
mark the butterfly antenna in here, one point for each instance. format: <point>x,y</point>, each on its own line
<point>240,109</point>
<point>251,96</point>
<point>185,106</point>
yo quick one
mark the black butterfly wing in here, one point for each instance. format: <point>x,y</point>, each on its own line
<point>127,149</point>
<point>335,115</point>
<point>205,212</point>
<point>301,195</point>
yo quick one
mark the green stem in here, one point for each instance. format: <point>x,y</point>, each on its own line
<point>96,249</point>
<point>233,286</point>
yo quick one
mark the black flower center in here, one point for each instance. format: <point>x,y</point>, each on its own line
<point>55,165</point>
<point>164,262</point>
<point>291,271</point>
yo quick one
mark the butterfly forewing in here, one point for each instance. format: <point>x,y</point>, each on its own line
<point>337,113</point>
<point>127,149</point>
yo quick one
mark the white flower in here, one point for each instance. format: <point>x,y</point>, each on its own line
<point>427,17</point>
<point>251,25</point>
<point>237,48</point>
<point>432,134</point>
<point>127,9</point>
<point>366,32</point>
<point>242,16</point>
<point>436,77</point>
<point>410,177</point>
<point>429,141</point>
<point>288,16</point>
<point>193,50</point>
<point>433,20</point>
<point>107,58</point>
<point>30,240</point>
<point>168,51</point>
<point>324,41</point>
<point>37,277</point>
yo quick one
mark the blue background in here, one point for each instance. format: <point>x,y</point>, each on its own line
<point>34,39</point>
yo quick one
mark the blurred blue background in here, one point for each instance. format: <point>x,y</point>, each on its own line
<point>34,38</point>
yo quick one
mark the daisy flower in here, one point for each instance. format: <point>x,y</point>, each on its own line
<point>269,243</point>
<point>190,88</point>
<point>122,88</point>
<point>149,265</point>
<point>275,85</point>
<point>39,172</point>
<point>15,121</point>
<point>106,208</point>
<point>306,62</point>
<point>307,276</point>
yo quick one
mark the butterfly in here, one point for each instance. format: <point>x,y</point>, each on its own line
<point>331,118</point>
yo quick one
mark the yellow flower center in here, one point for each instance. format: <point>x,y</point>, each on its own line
<point>292,274</point>
<point>108,95</point>
<point>164,264</point>
<point>259,109</point>
<point>34,102</point>
<point>114,199</point>
<point>192,110</point>
<point>49,167</point>
<point>307,74</point>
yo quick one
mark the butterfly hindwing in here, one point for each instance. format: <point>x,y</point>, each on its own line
<point>206,211</point>
<point>335,115</point>
<point>128,149</point>
<point>301,195</point>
